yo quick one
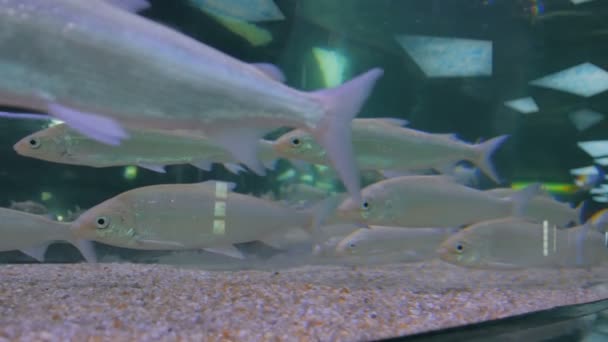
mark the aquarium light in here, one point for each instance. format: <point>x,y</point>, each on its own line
<point>584,171</point>
<point>286,175</point>
<point>599,191</point>
<point>307,178</point>
<point>601,199</point>
<point>449,57</point>
<point>602,161</point>
<point>129,172</point>
<point>46,196</point>
<point>332,65</point>
<point>584,80</point>
<point>524,105</point>
<point>558,188</point>
<point>59,218</point>
<point>583,119</point>
<point>578,2</point>
<point>594,148</point>
<point>250,10</point>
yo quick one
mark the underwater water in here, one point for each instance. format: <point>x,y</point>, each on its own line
<point>335,170</point>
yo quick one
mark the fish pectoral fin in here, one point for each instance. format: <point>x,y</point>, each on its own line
<point>204,165</point>
<point>270,70</point>
<point>153,167</point>
<point>36,252</point>
<point>130,5</point>
<point>87,249</point>
<point>229,250</point>
<point>242,142</point>
<point>234,168</point>
<point>94,126</point>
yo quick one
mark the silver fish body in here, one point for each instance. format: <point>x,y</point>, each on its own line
<point>428,201</point>
<point>185,216</point>
<point>61,144</point>
<point>384,144</point>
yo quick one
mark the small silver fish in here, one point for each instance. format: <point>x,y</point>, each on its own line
<point>383,144</point>
<point>418,243</point>
<point>205,215</point>
<point>32,234</point>
<point>519,243</point>
<point>430,201</point>
<point>148,149</point>
<point>102,69</point>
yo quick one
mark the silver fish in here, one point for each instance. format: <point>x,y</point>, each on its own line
<point>102,69</point>
<point>519,243</point>
<point>32,234</point>
<point>148,149</point>
<point>205,215</point>
<point>383,144</point>
<point>430,201</point>
<point>417,243</point>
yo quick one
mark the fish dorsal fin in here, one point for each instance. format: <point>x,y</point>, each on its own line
<point>152,167</point>
<point>130,5</point>
<point>204,165</point>
<point>215,184</point>
<point>270,70</point>
<point>393,121</point>
<point>449,136</point>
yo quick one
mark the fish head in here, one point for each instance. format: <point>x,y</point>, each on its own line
<point>350,244</point>
<point>459,249</point>
<point>299,144</point>
<point>376,207</point>
<point>111,222</point>
<point>48,144</point>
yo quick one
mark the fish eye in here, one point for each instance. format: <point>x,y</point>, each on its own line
<point>352,245</point>
<point>295,141</point>
<point>102,222</point>
<point>365,205</point>
<point>34,142</point>
<point>459,248</point>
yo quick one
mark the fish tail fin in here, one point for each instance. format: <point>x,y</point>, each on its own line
<point>582,211</point>
<point>522,198</point>
<point>485,150</point>
<point>319,213</point>
<point>334,132</point>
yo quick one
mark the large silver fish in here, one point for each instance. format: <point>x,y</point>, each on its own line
<point>430,201</point>
<point>149,149</point>
<point>102,69</point>
<point>205,215</point>
<point>383,144</point>
<point>32,234</point>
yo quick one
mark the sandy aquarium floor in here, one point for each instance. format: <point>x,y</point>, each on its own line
<point>125,301</point>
